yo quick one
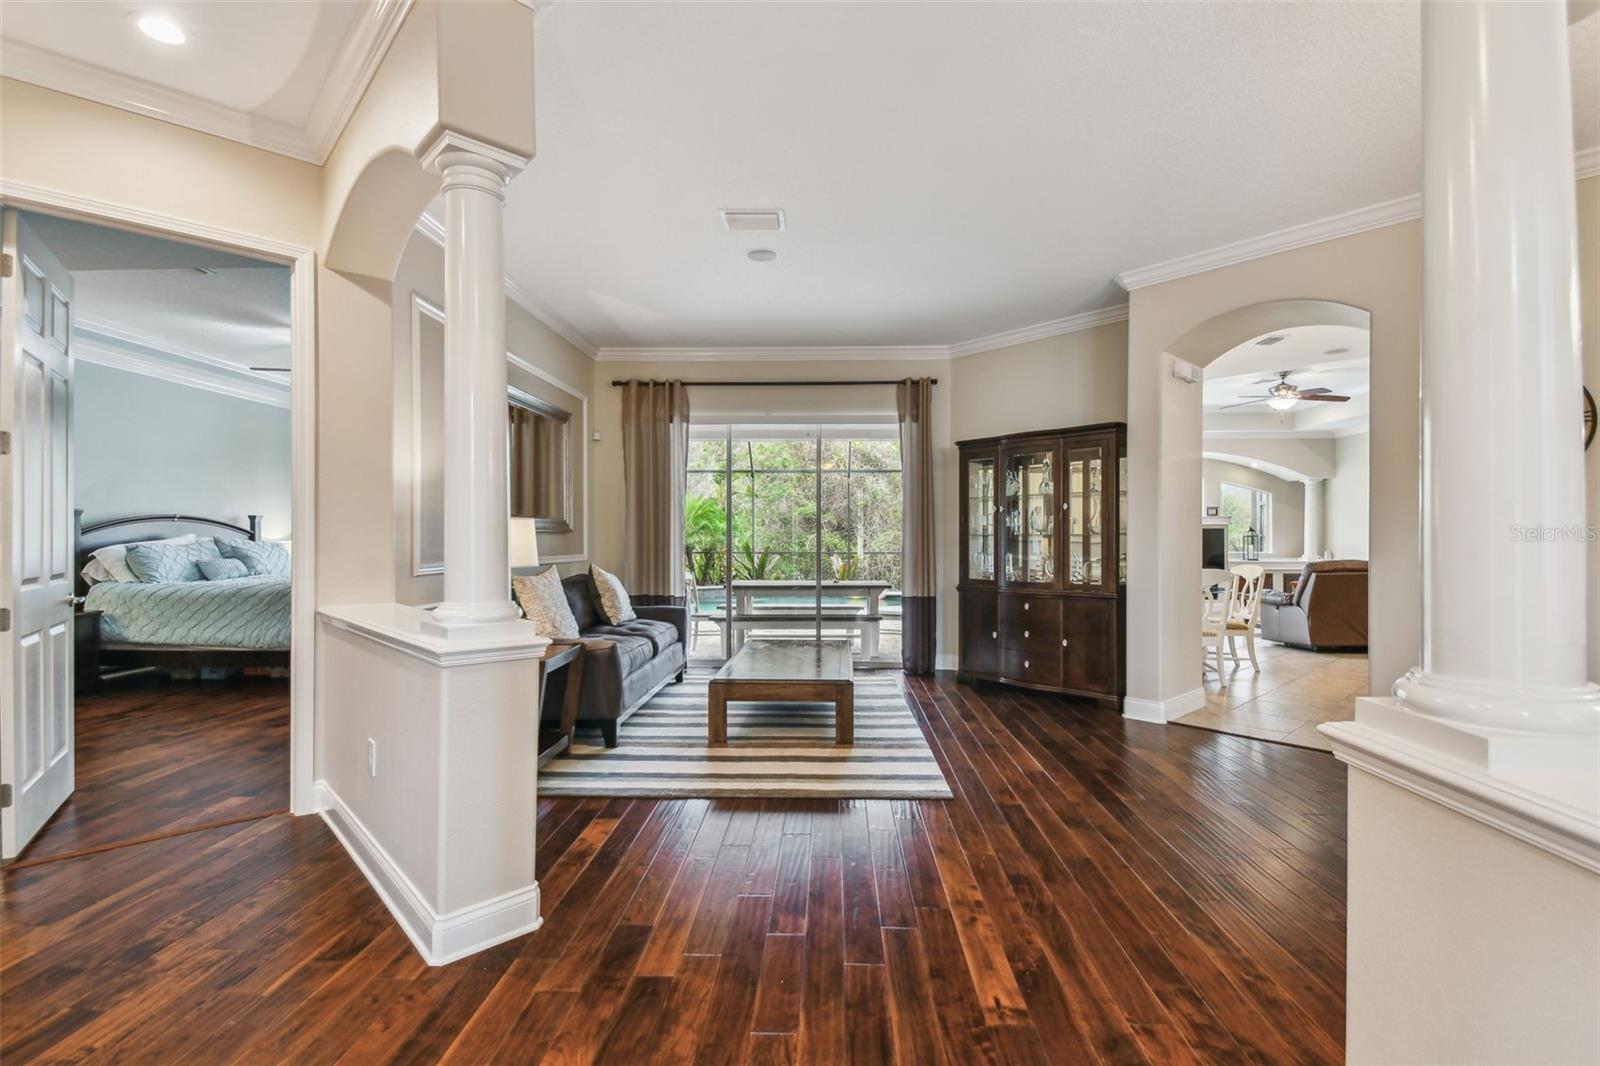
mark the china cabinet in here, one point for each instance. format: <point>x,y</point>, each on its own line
<point>1044,549</point>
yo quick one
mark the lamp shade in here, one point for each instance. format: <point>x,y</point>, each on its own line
<point>522,542</point>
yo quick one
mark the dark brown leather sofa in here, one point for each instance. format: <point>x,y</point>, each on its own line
<point>1327,611</point>
<point>623,665</point>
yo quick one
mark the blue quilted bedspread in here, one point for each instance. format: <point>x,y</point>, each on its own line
<point>244,612</point>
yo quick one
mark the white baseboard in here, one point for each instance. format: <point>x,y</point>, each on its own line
<point>438,938</point>
<point>1162,711</point>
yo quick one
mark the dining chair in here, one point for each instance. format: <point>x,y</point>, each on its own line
<point>1244,610</point>
<point>1214,615</point>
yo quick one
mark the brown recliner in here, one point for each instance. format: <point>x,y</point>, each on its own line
<point>1327,611</point>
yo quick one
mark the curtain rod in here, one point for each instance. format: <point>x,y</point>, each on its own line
<point>781,384</point>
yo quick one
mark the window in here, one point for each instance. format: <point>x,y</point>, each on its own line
<point>1247,508</point>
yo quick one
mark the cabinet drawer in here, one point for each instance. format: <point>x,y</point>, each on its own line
<point>1032,635</point>
<point>1043,609</point>
<point>1033,668</point>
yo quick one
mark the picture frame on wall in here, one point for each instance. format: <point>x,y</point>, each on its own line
<point>1213,512</point>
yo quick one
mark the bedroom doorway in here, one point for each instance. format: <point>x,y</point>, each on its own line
<point>153,488</point>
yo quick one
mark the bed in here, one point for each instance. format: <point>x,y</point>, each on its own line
<point>232,623</point>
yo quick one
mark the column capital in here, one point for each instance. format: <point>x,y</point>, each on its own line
<point>450,153</point>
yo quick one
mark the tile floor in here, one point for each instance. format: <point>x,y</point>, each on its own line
<point>1294,691</point>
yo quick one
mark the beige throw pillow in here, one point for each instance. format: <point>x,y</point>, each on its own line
<point>545,604</point>
<point>613,597</point>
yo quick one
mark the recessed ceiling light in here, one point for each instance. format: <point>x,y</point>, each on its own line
<point>762,255</point>
<point>1267,342</point>
<point>163,29</point>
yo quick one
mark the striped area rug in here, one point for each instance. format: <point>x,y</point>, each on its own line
<point>774,749</point>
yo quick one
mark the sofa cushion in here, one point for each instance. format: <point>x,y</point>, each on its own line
<point>583,600</point>
<point>633,650</point>
<point>661,635</point>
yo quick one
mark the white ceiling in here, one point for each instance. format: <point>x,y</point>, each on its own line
<point>1337,358</point>
<point>175,310</point>
<point>281,75</point>
<point>947,171</point>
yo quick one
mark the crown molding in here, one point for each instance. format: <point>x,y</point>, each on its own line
<point>771,355</point>
<point>1347,224</point>
<point>86,348</point>
<point>352,71</point>
<point>347,80</point>
<point>888,352</point>
<point>1054,328</point>
<point>128,335</point>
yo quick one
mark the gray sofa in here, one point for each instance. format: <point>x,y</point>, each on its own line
<point>623,665</point>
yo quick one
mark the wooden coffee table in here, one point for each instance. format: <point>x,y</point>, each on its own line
<point>784,670</point>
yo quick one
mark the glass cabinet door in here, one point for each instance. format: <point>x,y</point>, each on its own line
<point>1122,520</point>
<point>1028,516</point>
<point>1085,533</point>
<point>981,503</point>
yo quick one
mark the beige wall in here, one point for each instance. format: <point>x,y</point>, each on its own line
<point>1345,507</point>
<point>1378,271</point>
<point>421,272</point>
<point>1466,945</point>
<point>1070,380</point>
<point>1060,381</point>
<point>1288,503</point>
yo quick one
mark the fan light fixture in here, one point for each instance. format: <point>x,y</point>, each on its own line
<point>1282,403</point>
<point>163,29</point>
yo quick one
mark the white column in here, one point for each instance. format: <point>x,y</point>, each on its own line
<point>1503,488</point>
<point>476,570</point>
<point>1311,547</point>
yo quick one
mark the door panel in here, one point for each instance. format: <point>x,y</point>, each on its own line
<point>980,633</point>
<point>36,564</point>
<point>1090,663</point>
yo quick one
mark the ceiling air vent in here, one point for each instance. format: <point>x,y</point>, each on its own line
<point>744,220</point>
<point>1267,342</point>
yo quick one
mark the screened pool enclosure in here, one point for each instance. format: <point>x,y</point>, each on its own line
<point>797,527</point>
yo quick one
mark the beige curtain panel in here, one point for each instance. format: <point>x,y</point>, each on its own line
<point>655,460</point>
<point>919,617</point>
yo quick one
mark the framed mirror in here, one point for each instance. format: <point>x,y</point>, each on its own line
<point>540,462</point>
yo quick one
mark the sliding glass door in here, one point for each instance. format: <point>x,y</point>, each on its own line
<point>793,533</point>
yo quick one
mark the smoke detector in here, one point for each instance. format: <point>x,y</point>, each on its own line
<point>747,219</point>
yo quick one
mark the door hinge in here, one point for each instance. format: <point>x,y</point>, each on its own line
<point>5,442</point>
<point>5,795</point>
<point>5,619</point>
<point>5,265</point>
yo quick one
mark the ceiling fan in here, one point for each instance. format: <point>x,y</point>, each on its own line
<point>1282,395</point>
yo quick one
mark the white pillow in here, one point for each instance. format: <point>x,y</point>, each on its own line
<point>111,562</point>
<point>544,603</point>
<point>614,602</point>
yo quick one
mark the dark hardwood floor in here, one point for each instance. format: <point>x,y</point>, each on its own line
<point>154,760</point>
<point>1098,891</point>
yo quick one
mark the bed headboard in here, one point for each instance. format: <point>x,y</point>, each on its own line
<point>96,535</point>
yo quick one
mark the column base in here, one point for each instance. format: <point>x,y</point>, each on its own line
<point>1537,787</point>
<point>1573,710</point>
<point>446,618</point>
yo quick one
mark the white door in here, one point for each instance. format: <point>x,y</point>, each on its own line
<point>36,543</point>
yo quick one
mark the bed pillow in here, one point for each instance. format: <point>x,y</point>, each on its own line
<point>171,562</point>
<point>220,569</point>
<point>111,562</point>
<point>544,603</point>
<point>263,558</point>
<point>614,602</point>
